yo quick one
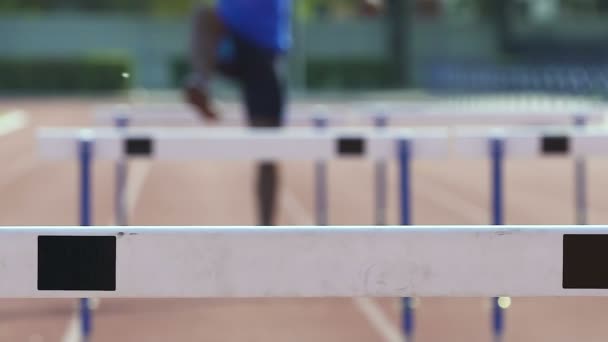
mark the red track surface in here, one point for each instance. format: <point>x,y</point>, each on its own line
<point>35,192</point>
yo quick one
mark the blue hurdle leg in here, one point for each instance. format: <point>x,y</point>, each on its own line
<point>497,156</point>
<point>580,182</point>
<point>85,156</point>
<point>120,196</point>
<point>381,121</point>
<point>407,323</point>
<point>321,211</point>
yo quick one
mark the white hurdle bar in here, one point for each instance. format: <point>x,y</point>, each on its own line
<point>242,143</point>
<point>534,142</point>
<point>549,111</point>
<point>255,262</point>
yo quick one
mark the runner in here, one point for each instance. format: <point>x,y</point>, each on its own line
<point>245,40</point>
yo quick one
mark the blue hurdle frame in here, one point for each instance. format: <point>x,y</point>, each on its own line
<point>497,196</point>
<point>86,219</point>
<point>404,158</point>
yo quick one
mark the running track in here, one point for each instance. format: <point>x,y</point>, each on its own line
<point>35,192</point>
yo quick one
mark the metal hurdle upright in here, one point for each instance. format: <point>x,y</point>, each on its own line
<point>85,157</point>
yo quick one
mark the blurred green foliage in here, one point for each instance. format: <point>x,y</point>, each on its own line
<point>64,74</point>
<point>354,73</point>
<point>162,7</point>
<point>304,8</point>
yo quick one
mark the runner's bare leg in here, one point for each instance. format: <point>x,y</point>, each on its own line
<point>206,34</point>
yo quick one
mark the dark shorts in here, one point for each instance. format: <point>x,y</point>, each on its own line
<point>259,76</point>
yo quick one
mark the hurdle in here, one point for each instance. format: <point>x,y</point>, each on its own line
<point>358,261</point>
<point>122,116</point>
<point>310,144</point>
<point>179,114</point>
<point>530,109</point>
<point>444,110</point>
<point>240,143</point>
<point>244,144</point>
<point>591,141</point>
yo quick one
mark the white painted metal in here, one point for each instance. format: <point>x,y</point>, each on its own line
<point>230,262</point>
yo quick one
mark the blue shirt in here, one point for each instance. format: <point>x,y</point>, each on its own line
<point>264,22</point>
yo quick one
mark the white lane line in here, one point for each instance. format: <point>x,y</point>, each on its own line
<point>138,172</point>
<point>383,326</point>
<point>72,331</point>
<point>10,122</point>
<point>368,307</point>
<point>294,208</point>
<point>13,121</point>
